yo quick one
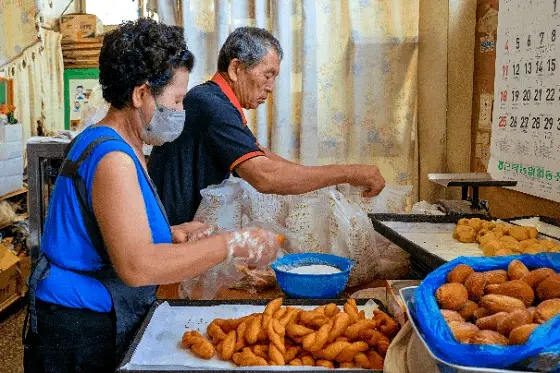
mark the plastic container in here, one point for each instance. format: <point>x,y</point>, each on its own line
<point>314,286</point>
<point>407,294</point>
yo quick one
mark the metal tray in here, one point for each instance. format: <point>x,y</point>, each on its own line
<point>423,249</point>
<point>256,302</point>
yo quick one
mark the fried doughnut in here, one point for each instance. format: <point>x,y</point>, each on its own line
<point>348,354</point>
<point>386,325</point>
<point>296,362</point>
<point>275,355</point>
<point>467,311</point>
<point>534,278</point>
<point>516,288</point>
<point>489,337</point>
<point>291,353</point>
<point>296,330</point>
<point>215,332</point>
<point>460,273</point>
<point>260,350</point>
<point>519,233</point>
<point>489,248</point>
<point>463,331</point>
<point>547,310</point>
<point>199,345</point>
<point>254,329</point>
<point>450,315</point>
<point>348,365</point>
<point>452,296</point>
<point>475,284</point>
<point>276,333</point>
<point>549,288</point>
<point>521,334</point>
<point>351,309</point>
<point>496,276</point>
<point>331,310</point>
<point>341,323</point>
<point>352,332</point>
<point>317,340</point>
<point>491,322</point>
<point>495,303</point>
<point>475,223</point>
<point>513,320</point>
<point>484,237</point>
<point>464,233</point>
<point>324,364</point>
<point>375,360</point>
<point>378,341</point>
<point>516,270</point>
<point>228,345</point>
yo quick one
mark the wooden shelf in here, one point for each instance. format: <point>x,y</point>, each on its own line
<point>13,194</point>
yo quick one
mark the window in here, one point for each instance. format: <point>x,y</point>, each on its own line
<point>113,12</point>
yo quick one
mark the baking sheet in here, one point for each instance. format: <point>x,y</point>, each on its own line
<point>160,346</point>
<point>436,238</point>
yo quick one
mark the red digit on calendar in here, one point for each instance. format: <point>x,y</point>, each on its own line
<point>505,69</point>
<point>503,96</point>
<point>503,121</point>
<point>507,46</point>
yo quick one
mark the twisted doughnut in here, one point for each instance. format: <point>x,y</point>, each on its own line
<point>199,345</point>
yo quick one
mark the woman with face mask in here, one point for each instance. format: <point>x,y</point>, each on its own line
<point>107,242</point>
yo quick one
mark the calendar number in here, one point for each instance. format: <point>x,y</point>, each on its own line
<point>513,122</point>
<point>551,64</point>
<point>515,95</point>
<point>536,123</point>
<point>528,40</point>
<point>524,123</point>
<point>538,95</point>
<point>548,123</point>
<point>515,69</point>
<point>541,34</point>
<point>553,35</point>
<point>528,68</point>
<point>517,43</point>
<point>539,66</point>
<point>550,94</point>
<point>526,95</point>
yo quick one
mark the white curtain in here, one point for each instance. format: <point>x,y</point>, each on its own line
<point>39,85</point>
<point>347,88</point>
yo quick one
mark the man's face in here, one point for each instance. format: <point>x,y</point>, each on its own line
<point>254,85</point>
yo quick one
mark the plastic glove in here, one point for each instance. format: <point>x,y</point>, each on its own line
<point>258,247</point>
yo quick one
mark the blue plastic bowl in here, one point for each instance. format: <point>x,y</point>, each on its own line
<point>315,286</point>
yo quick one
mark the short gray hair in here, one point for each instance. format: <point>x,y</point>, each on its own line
<point>249,45</point>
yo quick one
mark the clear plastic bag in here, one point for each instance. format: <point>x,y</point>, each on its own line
<point>223,205</point>
<point>352,236</point>
<point>394,199</point>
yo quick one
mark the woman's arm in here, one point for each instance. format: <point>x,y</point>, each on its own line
<point>119,207</point>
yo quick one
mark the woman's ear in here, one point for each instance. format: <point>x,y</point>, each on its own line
<point>139,95</point>
<point>233,69</point>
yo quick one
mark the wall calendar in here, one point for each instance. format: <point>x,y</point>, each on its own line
<point>525,143</point>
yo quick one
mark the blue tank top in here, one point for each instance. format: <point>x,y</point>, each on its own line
<point>65,240</point>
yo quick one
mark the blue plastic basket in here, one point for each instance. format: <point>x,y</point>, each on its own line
<point>315,286</point>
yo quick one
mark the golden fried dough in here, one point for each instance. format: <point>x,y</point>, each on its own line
<point>516,270</point>
<point>484,237</point>
<point>464,233</point>
<point>496,276</point>
<point>489,337</point>
<point>467,310</point>
<point>488,225</point>
<point>521,334</point>
<point>452,296</point>
<point>362,361</point>
<point>489,248</point>
<point>495,303</point>
<point>463,221</point>
<point>519,233</point>
<point>504,252</point>
<point>549,288</point>
<point>475,284</point>
<point>199,345</point>
<point>535,249</point>
<point>529,242</point>
<point>491,322</point>
<point>513,320</point>
<point>386,324</point>
<point>479,313</point>
<point>460,273</point>
<point>463,331</point>
<point>547,310</point>
<point>475,223</point>
<point>534,278</point>
<point>324,364</point>
<point>375,360</point>
<point>507,239</point>
<point>516,288</point>
<point>515,247</point>
<point>449,315</point>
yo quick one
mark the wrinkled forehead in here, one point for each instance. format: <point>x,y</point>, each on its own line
<point>270,63</point>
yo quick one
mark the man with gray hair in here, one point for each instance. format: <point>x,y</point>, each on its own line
<point>216,140</point>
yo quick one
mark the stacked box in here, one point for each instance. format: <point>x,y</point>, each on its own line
<point>11,158</point>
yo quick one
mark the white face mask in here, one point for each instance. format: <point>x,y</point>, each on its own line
<point>166,125</point>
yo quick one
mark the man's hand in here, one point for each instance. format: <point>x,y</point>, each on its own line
<point>368,177</point>
<point>191,231</point>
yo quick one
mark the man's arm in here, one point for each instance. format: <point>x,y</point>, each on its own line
<point>276,177</point>
<point>273,156</point>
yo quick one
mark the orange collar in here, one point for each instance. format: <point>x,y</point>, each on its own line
<point>225,87</point>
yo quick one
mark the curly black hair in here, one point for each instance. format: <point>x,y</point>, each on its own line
<point>139,52</point>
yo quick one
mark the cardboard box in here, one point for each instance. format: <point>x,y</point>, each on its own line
<point>9,184</point>
<point>10,150</point>
<point>77,26</point>
<point>8,274</point>
<point>10,167</point>
<point>11,132</point>
<point>24,269</point>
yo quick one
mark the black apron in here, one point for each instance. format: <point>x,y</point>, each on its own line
<point>130,304</point>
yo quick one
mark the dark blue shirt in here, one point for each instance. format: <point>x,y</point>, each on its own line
<point>214,141</point>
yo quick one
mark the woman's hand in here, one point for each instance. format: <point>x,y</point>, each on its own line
<point>191,231</point>
<point>258,246</point>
